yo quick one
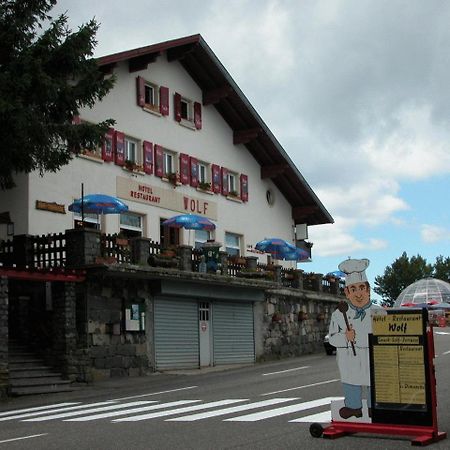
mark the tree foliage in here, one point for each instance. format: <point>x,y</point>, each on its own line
<point>46,77</point>
<point>405,271</point>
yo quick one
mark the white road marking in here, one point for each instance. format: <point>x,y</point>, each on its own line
<point>155,393</point>
<point>441,332</point>
<point>131,411</point>
<point>284,371</point>
<point>23,437</point>
<point>446,353</point>
<point>37,408</point>
<point>41,413</point>
<point>302,387</point>
<point>221,412</point>
<point>322,417</point>
<point>284,410</point>
<point>180,410</point>
<point>87,411</point>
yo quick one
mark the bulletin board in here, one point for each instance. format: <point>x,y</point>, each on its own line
<point>399,368</point>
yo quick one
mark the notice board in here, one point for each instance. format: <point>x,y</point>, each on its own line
<point>399,368</point>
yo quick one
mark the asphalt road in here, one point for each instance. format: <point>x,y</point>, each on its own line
<point>265,406</point>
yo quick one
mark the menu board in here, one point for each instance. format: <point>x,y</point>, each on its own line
<point>399,367</point>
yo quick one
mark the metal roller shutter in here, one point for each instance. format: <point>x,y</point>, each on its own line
<point>233,338</point>
<point>176,334</point>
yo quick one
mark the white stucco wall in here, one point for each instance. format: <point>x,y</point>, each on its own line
<point>254,220</point>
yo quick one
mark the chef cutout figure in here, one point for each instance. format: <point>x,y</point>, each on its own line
<point>350,327</point>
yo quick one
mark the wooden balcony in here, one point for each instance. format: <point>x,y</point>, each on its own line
<point>86,248</point>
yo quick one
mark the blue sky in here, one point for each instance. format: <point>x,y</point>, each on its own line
<point>356,91</point>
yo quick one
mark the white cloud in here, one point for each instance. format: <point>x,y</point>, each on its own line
<point>431,234</point>
<point>338,240</point>
<point>415,150</point>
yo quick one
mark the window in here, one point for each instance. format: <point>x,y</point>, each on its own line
<point>131,224</point>
<point>233,185</point>
<point>233,244</point>
<point>203,170</point>
<point>169,236</point>
<point>151,95</point>
<point>152,98</point>
<point>231,182</point>
<point>131,147</point>
<point>95,152</point>
<point>201,236</point>
<point>186,109</point>
<point>168,163</point>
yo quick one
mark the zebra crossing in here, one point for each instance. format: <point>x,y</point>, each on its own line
<point>229,410</point>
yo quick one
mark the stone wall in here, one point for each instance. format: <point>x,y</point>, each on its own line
<point>3,337</point>
<point>293,324</point>
<point>112,350</point>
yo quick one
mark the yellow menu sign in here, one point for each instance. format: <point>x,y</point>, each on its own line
<point>398,356</point>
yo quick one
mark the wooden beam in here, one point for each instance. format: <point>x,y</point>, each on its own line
<point>173,54</point>
<point>300,213</point>
<point>43,275</point>
<point>107,69</point>
<point>273,170</point>
<point>142,62</point>
<point>213,96</point>
<point>245,136</point>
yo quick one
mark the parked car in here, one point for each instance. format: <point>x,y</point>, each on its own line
<point>329,349</point>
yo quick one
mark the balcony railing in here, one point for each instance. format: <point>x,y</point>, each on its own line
<point>81,247</point>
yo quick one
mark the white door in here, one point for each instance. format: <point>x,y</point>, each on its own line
<point>204,333</point>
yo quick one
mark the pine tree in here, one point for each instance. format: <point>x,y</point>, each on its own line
<point>403,272</point>
<point>46,77</point>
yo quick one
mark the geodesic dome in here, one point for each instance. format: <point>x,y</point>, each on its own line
<point>429,291</point>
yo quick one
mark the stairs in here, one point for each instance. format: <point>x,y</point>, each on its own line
<point>29,375</point>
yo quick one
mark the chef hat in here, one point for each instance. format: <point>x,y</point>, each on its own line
<point>355,270</point>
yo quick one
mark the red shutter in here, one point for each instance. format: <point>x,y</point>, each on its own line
<point>164,100</point>
<point>184,168</point>
<point>177,106</point>
<point>216,181</point>
<point>108,146</point>
<point>140,91</point>
<point>224,181</point>
<point>159,161</point>
<point>119,139</point>
<point>198,115</point>
<point>148,157</point>
<point>244,187</point>
<point>194,171</point>
<point>76,120</point>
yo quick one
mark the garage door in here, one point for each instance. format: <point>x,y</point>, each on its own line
<point>176,334</point>
<point>233,338</point>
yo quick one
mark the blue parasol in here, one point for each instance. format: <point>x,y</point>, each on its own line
<point>281,249</point>
<point>190,222</point>
<point>336,273</point>
<point>98,204</point>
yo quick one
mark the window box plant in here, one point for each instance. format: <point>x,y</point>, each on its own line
<point>204,185</point>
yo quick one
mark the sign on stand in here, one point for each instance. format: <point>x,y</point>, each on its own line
<point>403,383</point>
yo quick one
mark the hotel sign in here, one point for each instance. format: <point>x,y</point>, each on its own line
<point>171,199</point>
<point>52,207</point>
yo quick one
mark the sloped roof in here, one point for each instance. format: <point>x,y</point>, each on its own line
<point>220,90</point>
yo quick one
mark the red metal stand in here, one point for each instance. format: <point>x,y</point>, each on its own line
<point>421,435</point>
